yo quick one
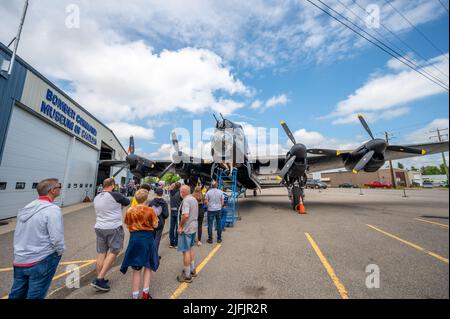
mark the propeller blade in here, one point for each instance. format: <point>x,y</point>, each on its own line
<point>320,151</point>
<point>363,161</point>
<point>288,132</point>
<point>117,173</point>
<point>131,146</point>
<point>405,149</point>
<point>175,143</point>
<point>366,126</point>
<point>165,170</point>
<point>287,166</point>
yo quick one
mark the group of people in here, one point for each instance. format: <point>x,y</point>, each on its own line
<point>39,234</point>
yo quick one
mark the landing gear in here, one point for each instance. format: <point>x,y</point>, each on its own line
<point>255,193</point>
<point>296,188</point>
<point>295,193</point>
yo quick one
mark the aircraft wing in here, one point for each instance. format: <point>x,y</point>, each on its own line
<point>430,148</point>
<point>320,163</point>
<point>112,162</point>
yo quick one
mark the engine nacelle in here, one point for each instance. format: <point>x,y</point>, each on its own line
<point>374,165</point>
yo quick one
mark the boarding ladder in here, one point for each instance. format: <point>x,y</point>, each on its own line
<point>228,184</point>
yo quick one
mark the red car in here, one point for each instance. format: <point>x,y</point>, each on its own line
<point>377,184</point>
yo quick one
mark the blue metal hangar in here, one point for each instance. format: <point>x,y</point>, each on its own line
<point>44,133</point>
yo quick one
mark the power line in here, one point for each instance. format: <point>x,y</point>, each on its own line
<point>442,4</point>
<point>398,130</point>
<point>440,138</point>
<point>403,42</point>
<point>403,54</point>
<point>374,43</point>
<point>415,28</point>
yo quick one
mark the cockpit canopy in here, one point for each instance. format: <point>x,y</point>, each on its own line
<point>226,124</point>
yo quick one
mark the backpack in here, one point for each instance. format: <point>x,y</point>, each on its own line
<point>159,213</point>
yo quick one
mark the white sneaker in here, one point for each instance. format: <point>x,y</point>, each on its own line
<point>199,243</point>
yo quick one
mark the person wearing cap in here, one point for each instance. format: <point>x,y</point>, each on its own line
<point>175,203</point>
<point>38,243</point>
<point>162,212</point>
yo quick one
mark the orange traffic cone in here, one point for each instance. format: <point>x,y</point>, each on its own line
<point>300,207</point>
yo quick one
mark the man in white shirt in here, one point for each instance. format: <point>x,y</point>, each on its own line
<point>214,200</point>
<point>108,228</point>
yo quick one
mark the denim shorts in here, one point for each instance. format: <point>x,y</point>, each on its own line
<point>186,241</point>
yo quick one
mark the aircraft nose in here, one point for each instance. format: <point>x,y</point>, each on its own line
<point>222,143</point>
<point>132,160</point>
<point>299,150</point>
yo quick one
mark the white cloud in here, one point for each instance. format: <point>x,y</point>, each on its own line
<point>309,138</point>
<point>254,33</point>
<point>119,78</point>
<point>384,96</point>
<point>423,134</point>
<point>371,117</point>
<point>314,139</point>
<point>124,130</point>
<point>164,151</point>
<point>277,100</point>
<point>158,122</point>
<point>256,104</point>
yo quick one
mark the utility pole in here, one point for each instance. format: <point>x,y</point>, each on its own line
<point>16,43</point>
<point>440,139</point>
<point>394,184</point>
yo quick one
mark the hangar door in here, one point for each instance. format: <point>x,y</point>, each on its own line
<point>34,150</point>
<point>81,174</point>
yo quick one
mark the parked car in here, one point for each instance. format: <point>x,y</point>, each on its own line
<point>377,184</point>
<point>427,184</point>
<point>314,183</point>
<point>348,185</point>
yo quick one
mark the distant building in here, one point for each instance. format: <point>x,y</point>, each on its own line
<point>415,178</point>
<point>437,180</point>
<point>334,179</point>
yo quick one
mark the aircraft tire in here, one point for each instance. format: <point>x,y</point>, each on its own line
<point>296,191</point>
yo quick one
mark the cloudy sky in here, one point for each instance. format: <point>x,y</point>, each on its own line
<point>145,67</point>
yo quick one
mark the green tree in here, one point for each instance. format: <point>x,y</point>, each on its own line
<point>442,169</point>
<point>170,178</point>
<point>150,180</point>
<point>413,168</point>
<point>400,165</point>
<point>430,170</point>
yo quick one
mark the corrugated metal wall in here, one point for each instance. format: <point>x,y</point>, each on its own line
<point>10,89</point>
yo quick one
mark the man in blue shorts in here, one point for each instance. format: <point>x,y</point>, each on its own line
<point>187,230</point>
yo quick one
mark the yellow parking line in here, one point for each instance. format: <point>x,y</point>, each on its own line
<point>76,268</point>
<point>410,244</point>
<point>86,263</point>
<point>62,263</point>
<point>199,268</point>
<point>434,223</point>
<point>340,287</point>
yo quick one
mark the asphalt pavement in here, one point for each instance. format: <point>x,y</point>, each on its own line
<point>349,244</point>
